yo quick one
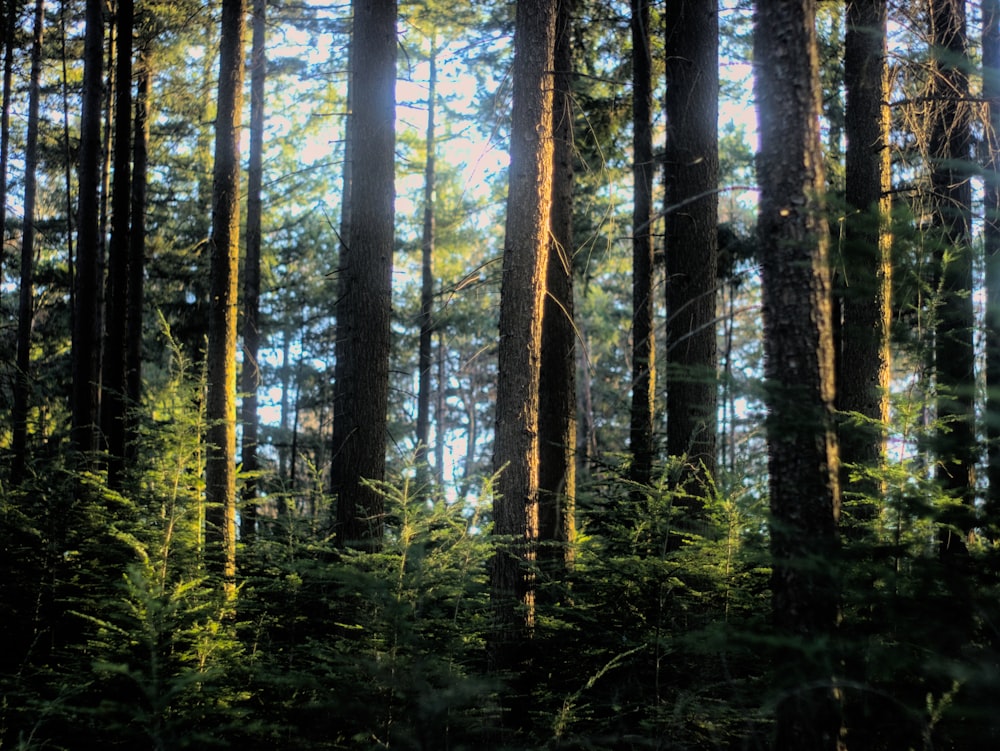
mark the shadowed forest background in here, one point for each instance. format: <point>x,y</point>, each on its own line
<point>559,374</point>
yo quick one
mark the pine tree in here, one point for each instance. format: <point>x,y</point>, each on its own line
<point>798,339</point>
<point>220,465</point>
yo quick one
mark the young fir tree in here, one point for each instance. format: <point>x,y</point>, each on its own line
<point>991,242</point>
<point>798,339</point>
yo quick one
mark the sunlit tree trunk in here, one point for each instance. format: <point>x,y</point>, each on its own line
<point>250,375</point>
<point>865,271</point>
<point>87,316</point>
<point>220,466</point>
<point>950,155</point>
<point>691,163</point>
<point>25,308</point>
<point>522,294</point>
<point>557,379</point>
<point>113,401</point>
<point>643,341</point>
<point>364,299</point>
<point>799,371</point>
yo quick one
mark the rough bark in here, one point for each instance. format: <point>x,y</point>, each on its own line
<point>641,437</point>
<point>991,240</point>
<point>224,243</point>
<point>950,155</point>
<point>799,369</point>
<point>691,163</point>
<point>250,375</point>
<point>113,397</point>
<point>364,299</point>
<point>557,377</point>
<point>137,250</point>
<point>25,308</point>
<point>87,316</point>
<point>864,273</point>
<point>522,293</point>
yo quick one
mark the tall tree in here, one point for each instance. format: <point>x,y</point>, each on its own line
<point>250,375</point>
<point>799,370</point>
<point>522,295</point>
<point>137,245</point>
<point>220,404</point>
<point>691,160</point>
<point>9,9</point>
<point>427,239</point>
<point>25,308</point>
<point>991,240</point>
<point>864,274</point>
<point>557,377</point>
<point>361,391</point>
<point>87,315</point>
<point>113,396</point>
<point>643,340</point>
<point>950,155</point>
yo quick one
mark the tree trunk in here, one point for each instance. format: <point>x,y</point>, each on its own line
<point>113,402</point>
<point>950,152</point>
<point>10,28</point>
<point>364,300</point>
<point>865,270</point>
<point>425,354</point>
<point>220,467</point>
<point>643,341</point>
<point>87,316</point>
<point>991,241</point>
<point>691,162</point>
<point>250,375</point>
<point>522,293</point>
<point>557,378</point>
<point>25,309</point>
<point>137,251</point>
<point>799,369</point>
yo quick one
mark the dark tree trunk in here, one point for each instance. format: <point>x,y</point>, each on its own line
<point>250,375</point>
<point>643,341</point>
<point>557,378</point>
<point>950,154</point>
<point>799,368</point>
<point>991,241</point>
<point>691,162</point>
<point>522,294</point>
<point>220,466</point>
<point>364,299</point>
<point>425,354</point>
<point>113,402</point>
<point>25,308</point>
<point>10,29</point>
<point>87,316</point>
<point>865,271</point>
<point>137,251</point>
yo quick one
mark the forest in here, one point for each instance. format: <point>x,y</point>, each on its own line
<point>549,374</point>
